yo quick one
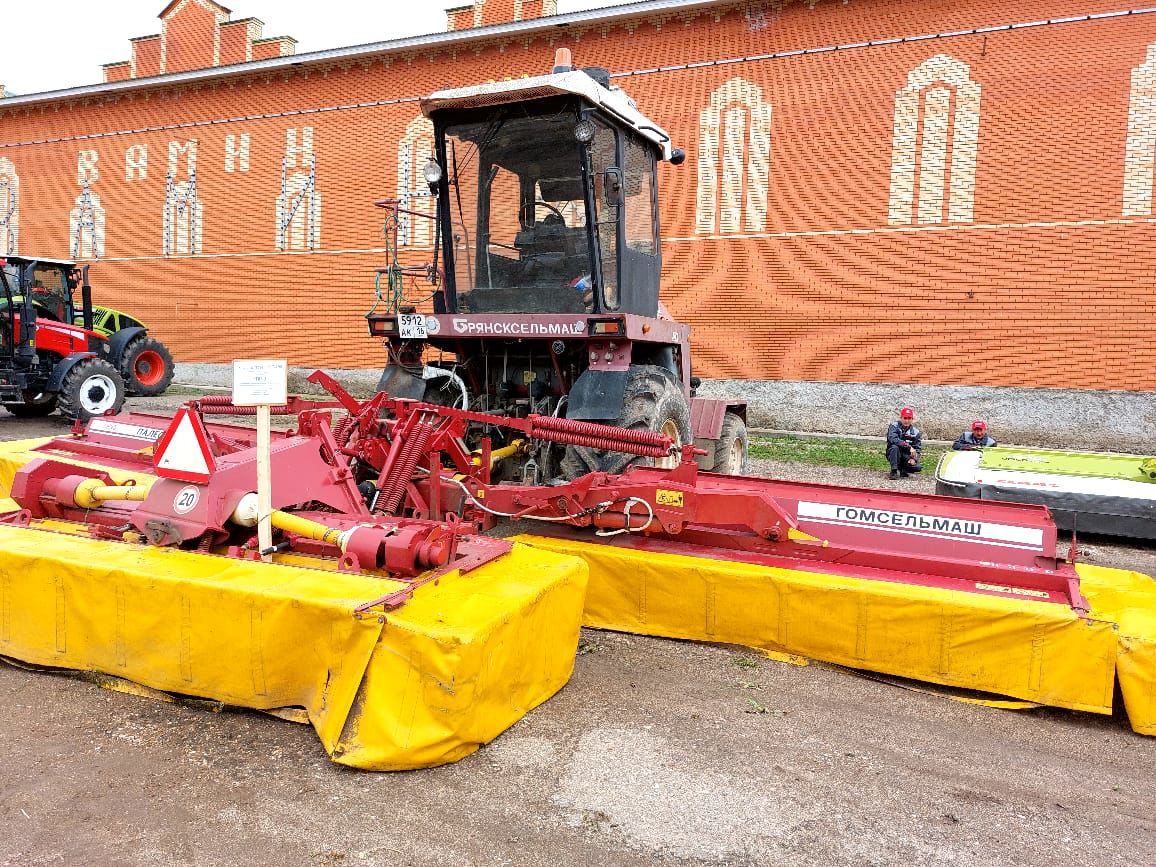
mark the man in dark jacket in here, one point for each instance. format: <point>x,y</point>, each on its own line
<point>976,438</point>
<point>904,443</point>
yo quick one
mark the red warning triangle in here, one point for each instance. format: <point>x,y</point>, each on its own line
<point>183,452</point>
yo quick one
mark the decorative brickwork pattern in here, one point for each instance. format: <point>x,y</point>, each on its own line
<point>936,197</point>
<point>733,156</point>
<point>197,34</point>
<point>482,13</point>
<point>1141,147</point>
<point>936,139</point>
<point>9,208</point>
<point>413,151</point>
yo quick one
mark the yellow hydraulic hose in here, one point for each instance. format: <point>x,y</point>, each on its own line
<point>92,492</point>
<point>304,527</point>
<point>500,454</point>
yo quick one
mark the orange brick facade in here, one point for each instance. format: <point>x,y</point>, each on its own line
<point>970,208</point>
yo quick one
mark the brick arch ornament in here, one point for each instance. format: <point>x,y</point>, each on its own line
<point>734,153</point>
<point>86,220</point>
<point>934,144</point>
<point>299,203</point>
<point>9,208</point>
<point>1141,144</point>
<point>414,148</point>
<point>183,216</point>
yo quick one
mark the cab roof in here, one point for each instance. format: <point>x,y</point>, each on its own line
<point>28,260</point>
<point>612,101</point>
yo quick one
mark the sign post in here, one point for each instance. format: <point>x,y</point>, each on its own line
<point>262,383</point>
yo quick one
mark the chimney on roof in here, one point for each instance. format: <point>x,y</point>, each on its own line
<point>483,13</point>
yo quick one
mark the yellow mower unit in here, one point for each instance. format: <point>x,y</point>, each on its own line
<point>408,638</point>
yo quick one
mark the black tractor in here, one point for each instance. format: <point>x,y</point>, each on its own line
<point>547,300</point>
<point>52,357</point>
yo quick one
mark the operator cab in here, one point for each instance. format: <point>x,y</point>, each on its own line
<point>547,197</point>
<point>48,282</point>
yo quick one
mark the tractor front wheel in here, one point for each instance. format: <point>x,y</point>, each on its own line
<point>35,405</point>
<point>147,367</point>
<point>91,388</point>
<point>654,402</point>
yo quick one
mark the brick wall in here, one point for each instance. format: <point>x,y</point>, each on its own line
<point>971,208</point>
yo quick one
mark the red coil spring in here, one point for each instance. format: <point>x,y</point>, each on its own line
<point>222,404</point>
<point>412,449</point>
<point>582,433</point>
<point>343,430</point>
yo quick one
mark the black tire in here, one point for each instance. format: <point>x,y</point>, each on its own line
<point>653,400</point>
<point>91,388</point>
<point>36,404</point>
<point>730,450</point>
<point>146,367</point>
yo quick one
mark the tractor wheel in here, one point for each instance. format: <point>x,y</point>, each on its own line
<point>147,367</point>
<point>653,401</point>
<point>730,451</point>
<point>36,404</point>
<point>91,388</point>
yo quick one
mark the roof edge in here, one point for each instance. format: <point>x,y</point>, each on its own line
<point>603,14</point>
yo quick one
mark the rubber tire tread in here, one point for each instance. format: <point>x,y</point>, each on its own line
<point>69,401</point>
<point>652,398</point>
<point>733,428</point>
<point>131,383</point>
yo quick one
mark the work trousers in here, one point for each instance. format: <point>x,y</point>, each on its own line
<point>898,459</point>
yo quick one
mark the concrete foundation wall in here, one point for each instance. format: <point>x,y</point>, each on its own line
<point>1120,421</point>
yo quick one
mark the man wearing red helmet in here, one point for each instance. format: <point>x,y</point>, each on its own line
<point>976,438</point>
<point>904,443</point>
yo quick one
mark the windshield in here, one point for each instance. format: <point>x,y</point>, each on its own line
<point>518,215</point>
<point>49,292</point>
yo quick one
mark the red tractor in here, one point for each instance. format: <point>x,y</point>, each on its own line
<point>47,361</point>
<point>546,219</point>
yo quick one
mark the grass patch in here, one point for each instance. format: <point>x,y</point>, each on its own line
<point>192,390</point>
<point>830,452</point>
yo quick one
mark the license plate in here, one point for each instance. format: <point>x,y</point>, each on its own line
<point>411,326</point>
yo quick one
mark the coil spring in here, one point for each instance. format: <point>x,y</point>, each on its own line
<point>343,430</point>
<point>599,436</point>
<point>222,404</point>
<point>412,449</point>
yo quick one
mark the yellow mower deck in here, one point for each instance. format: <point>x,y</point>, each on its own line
<point>420,686</point>
<point>467,657</point>
<point>1037,651</point>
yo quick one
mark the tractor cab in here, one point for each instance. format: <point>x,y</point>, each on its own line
<point>547,196</point>
<point>48,285</point>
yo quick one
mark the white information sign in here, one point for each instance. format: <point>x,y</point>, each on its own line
<point>260,382</point>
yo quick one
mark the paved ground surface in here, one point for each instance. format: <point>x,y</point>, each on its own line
<point>649,755</point>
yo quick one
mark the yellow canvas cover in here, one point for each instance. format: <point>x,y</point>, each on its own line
<point>420,686</point>
<point>1036,651</point>
<point>16,453</point>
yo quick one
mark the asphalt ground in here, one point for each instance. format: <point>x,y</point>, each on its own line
<point>657,751</point>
